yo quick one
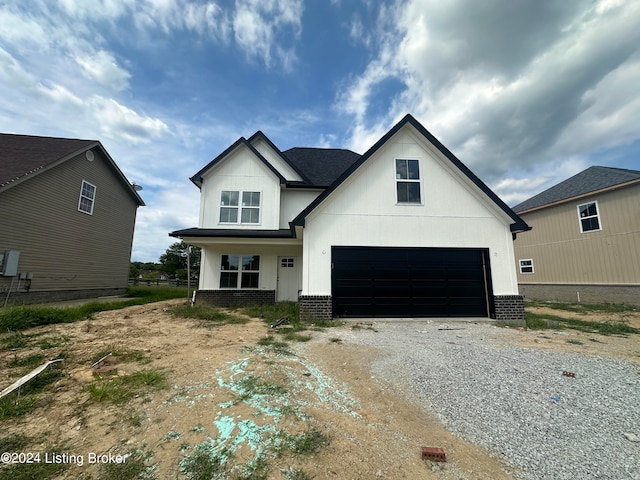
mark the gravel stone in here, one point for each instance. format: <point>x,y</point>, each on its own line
<point>515,401</point>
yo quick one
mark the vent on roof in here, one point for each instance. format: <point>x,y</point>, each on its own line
<point>89,155</point>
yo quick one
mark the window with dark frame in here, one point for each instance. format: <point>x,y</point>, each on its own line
<point>589,217</point>
<point>240,207</point>
<point>240,271</point>
<point>408,181</point>
<point>526,265</point>
<point>87,197</point>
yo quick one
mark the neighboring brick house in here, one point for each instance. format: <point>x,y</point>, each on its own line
<point>404,230</point>
<point>585,242</point>
<point>67,216</point>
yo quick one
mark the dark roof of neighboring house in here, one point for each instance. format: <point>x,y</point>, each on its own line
<point>322,166</point>
<point>518,224</point>
<point>591,180</point>
<point>22,156</point>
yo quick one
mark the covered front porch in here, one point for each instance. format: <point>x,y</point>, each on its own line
<point>247,270</point>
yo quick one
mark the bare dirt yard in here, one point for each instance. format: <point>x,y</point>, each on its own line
<point>183,398</point>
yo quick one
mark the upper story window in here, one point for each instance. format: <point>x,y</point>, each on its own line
<point>589,217</point>
<point>526,265</point>
<point>239,207</point>
<point>408,181</point>
<point>87,197</point>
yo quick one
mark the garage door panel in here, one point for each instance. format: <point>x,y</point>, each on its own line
<point>409,282</point>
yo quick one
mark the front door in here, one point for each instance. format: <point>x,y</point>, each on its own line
<point>287,279</point>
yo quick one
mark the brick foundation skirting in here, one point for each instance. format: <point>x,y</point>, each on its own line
<point>235,298</point>
<point>509,308</point>
<point>315,307</point>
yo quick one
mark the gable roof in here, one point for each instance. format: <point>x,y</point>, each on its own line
<point>593,179</point>
<point>518,224</point>
<point>318,167</point>
<point>261,136</point>
<point>24,156</point>
<point>197,178</point>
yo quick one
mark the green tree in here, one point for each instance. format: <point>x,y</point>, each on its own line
<point>174,260</point>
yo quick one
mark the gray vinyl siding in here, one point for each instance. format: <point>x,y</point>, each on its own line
<point>63,248</point>
<point>562,254</point>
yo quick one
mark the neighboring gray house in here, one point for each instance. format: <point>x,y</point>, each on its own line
<point>404,230</point>
<point>67,216</point>
<point>585,242</point>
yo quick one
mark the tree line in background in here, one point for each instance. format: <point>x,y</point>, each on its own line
<point>171,265</point>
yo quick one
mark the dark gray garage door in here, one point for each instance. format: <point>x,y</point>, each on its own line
<point>410,282</point>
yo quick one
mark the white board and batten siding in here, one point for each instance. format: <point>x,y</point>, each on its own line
<point>269,261</point>
<point>363,211</point>
<point>240,171</point>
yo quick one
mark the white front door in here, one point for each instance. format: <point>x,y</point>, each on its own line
<point>287,279</point>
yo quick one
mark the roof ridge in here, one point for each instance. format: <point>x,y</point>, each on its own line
<point>50,137</point>
<point>589,180</point>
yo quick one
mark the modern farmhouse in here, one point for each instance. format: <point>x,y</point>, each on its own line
<point>404,230</point>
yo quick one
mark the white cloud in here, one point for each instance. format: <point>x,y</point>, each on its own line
<point>117,121</point>
<point>258,24</point>
<point>102,67</point>
<point>553,81</point>
<point>166,210</point>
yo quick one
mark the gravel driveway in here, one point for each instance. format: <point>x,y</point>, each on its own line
<point>515,401</point>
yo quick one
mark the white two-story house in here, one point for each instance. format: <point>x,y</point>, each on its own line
<point>404,230</point>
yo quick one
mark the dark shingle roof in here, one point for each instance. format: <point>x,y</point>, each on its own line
<point>21,155</point>
<point>322,166</point>
<point>26,155</point>
<point>590,180</point>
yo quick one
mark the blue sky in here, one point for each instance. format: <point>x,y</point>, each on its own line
<point>526,94</point>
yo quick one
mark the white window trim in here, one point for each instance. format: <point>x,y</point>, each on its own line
<point>418,181</point>
<point>239,271</point>
<point>597,215</point>
<point>526,266</point>
<point>93,200</point>
<point>239,207</point>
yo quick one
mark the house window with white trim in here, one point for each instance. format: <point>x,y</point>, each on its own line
<point>526,266</point>
<point>589,218</point>
<point>240,207</point>
<point>87,197</point>
<point>240,271</point>
<point>408,181</point>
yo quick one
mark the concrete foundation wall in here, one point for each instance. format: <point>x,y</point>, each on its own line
<point>576,293</point>
<point>26,298</point>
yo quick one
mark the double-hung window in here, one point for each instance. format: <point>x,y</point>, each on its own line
<point>589,218</point>
<point>240,271</point>
<point>408,181</point>
<point>240,207</point>
<point>87,197</point>
<point>526,265</point>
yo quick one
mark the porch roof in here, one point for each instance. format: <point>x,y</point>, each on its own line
<point>237,233</point>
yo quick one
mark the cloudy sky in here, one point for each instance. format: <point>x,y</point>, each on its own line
<point>525,93</point>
